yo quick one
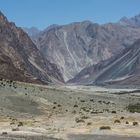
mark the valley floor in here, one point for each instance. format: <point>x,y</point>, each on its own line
<point>37,112</point>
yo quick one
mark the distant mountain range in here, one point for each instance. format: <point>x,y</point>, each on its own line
<point>77,53</point>
<point>80,45</point>
<point>76,46</point>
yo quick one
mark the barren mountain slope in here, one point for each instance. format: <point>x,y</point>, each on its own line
<point>19,57</point>
<point>123,69</point>
<point>76,46</point>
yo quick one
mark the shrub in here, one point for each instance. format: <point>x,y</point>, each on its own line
<point>75,105</point>
<point>84,117</point>
<point>12,123</point>
<point>89,123</point>
<point>15,129</point>
<point>4,133</point>
<point>105,128</point>
<point>59,105</point>
<point>135,123</point>
<point>55,103</point>
<point>82,101</point>
<point>114,112</point>
<point>117,121</point>
<point>94,112</point>
<point>20,124</point>
<point>122,118</point>
<point>100,102</point>
<point>134,108</point>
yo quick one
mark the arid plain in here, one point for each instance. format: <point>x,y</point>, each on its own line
<point>30,111</point>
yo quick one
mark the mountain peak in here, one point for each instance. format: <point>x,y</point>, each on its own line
<point>133,21</point>
<point>32,31</point>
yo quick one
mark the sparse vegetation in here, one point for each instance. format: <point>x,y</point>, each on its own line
<point>82,101</point>
<point>105,128</point>
<point>75,105</point>
<point>12,123</point>
<point>134,108</point>
<point>15,129</point>
<point>4,133</point>
<point>122,118</point>
<point>100,102</point>
<point>135,123</point>
<point>117,121</point>
<point>59,105</point>
<point>113,112</point>
<point>89,123</point>
<point>84,117</point>
<point>20,124</point>
<point>92,100</point>
<point>80,109</point>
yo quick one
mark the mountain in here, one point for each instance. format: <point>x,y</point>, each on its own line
<point>33,31</point>
<point>20,59</point>
<point>133,21</point>
<point>122,69</point>
<point>79,45</point>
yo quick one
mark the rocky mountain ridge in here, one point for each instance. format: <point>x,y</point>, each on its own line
<point>79,52</point>
<point>122,69</point>
<point>20,59</point>
<point>79,45</point>
<point>133,21</point>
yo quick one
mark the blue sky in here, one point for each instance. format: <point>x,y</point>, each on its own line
<point>42,13</point>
